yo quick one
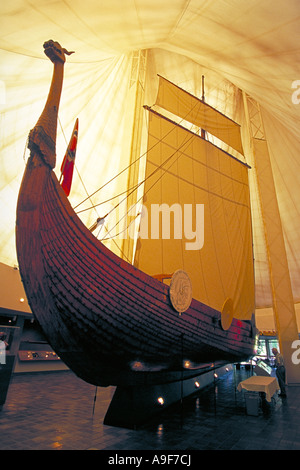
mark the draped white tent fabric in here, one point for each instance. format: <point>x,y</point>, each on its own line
<point>237,45</point>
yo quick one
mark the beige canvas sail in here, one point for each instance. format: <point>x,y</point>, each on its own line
<point>196,111</point>
<point>211,188</point>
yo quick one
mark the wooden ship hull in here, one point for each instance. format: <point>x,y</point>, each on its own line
<point>108,321</point>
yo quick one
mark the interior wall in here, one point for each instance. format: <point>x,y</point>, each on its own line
<point>12,293</point>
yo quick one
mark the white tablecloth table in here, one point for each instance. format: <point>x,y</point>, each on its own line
<point>268,385</point>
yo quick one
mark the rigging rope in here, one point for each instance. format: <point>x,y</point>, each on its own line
<point>134,188</point>
<point>132,163</point>
<point>108,182</point>
<point>131,190</point>
<point>149,176</point>
<point>89,196</point>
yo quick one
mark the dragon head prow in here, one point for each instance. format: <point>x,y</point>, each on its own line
<point>55,52</point>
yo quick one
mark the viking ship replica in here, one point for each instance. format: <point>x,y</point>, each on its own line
<point>117,323</point>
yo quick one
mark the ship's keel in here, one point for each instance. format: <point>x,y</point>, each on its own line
<point>134,405</point>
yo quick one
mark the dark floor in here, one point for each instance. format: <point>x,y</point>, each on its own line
<point>53,411</point>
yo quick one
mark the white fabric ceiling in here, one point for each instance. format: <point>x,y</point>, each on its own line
<point>237,44</point>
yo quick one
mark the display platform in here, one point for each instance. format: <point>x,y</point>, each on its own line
<point>267,385</point>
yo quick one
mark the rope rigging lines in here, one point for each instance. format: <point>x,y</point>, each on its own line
<point>130,191</point>
<point>164,167</point>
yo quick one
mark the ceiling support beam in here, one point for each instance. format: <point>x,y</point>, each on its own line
<point>135,123</point>
<point>282,295</point>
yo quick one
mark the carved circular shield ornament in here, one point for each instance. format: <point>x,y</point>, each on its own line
<point>180,291</point>
<point>227,314</point>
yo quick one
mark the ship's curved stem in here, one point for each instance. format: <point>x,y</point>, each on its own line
<point>42,138</point>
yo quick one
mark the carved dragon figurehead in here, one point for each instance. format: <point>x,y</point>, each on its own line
<point>55,52</point>
<point>42,138</point>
